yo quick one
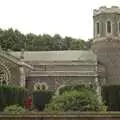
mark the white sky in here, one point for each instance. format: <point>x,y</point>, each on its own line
<point>65,17</point>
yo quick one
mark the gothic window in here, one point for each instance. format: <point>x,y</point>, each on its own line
<point>109,29</point>
<point>40,86</point>
<point>119,27</point>
<point>3,77</point>
<point>98,27</point>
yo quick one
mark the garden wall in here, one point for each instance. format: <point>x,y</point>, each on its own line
<point>62,116</point>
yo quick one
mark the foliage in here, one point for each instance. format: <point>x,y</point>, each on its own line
<point>75,87</point>
<point>10,95</point>
<point>15,40</point>
<point>14,109</point>
<point>111,96</point>
<point>41,98</point>
<point>75,100</point>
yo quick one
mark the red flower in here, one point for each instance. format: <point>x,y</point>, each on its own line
<point>28,102</point>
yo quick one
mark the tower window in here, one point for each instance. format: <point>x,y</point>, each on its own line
<point>98,28</point>
<point>108,26</point>
<point>119,27</point>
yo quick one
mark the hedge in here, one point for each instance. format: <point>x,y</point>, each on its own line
<point>111,97</point>
<point>41,98</point>
<point>10,95</point>
<point>76,87</point>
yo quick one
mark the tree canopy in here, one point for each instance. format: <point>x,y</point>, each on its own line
<point>15,40</point>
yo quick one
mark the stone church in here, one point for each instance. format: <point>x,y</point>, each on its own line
<point>51,69</point>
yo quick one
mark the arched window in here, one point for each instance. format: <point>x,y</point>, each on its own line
<point>118,27</point>
<point>3,76</point>
<point>109,27</point>
<point>98,28</point>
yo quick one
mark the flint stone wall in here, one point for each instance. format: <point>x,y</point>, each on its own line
<point>108,53</point>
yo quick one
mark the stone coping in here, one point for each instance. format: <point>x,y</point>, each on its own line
<point>68,63</point>
<point>14,59</point>
<point>63,73</point>
<point>62,115</point>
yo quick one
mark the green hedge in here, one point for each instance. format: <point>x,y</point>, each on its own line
<point>111,96</point>
<point>75,100</point>
<point>41,98</point>
<point>10,95</point>
<point>77,87</point>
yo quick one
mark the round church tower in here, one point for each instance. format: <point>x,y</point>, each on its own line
<point>106,41</point>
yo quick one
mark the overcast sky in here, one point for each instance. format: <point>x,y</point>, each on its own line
<point>65,17</point>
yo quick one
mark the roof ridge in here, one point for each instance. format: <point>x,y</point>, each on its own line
<point>58,51</point>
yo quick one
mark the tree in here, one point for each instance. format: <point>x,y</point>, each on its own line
<point>57,42</point>
<point>67,43</point>
<point>15,40</point>
<point>46,42</point>
<point>30,42</point>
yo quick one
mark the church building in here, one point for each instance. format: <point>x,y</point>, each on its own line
<point>51,69</point>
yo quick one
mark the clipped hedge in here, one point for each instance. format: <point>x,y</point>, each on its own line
<point>41,98</point>
<point>10,95</point>
<point>111,96</point>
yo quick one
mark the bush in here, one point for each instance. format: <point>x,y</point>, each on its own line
<point>85,100</point>
<point>14,109</point>
<point>76,87</point>
<point>111,96</point>
<point>41,98</point>
<point>10,95</point>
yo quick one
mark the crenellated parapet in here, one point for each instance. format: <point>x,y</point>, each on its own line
<point>104,9</point>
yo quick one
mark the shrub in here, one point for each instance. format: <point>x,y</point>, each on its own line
<point>14,109</point>
<point>74,100</point>
<point>111,96</point>
<point>76,87</point>
<point>41,98</point>
<point>10,95</point>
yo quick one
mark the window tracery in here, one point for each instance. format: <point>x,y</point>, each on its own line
<point>40,86</point>
<point>3,76</point>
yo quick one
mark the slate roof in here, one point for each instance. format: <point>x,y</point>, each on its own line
<point>67,55</point>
